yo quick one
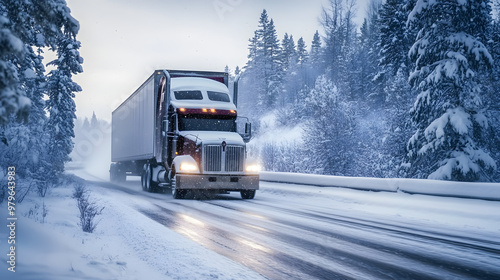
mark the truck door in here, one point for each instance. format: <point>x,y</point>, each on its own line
<point>171,145</point>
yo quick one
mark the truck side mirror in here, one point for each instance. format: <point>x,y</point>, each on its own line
<point>248,132</point>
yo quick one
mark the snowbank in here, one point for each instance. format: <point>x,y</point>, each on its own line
<point>488,191</point>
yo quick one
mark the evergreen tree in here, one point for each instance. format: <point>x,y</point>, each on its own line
<point>316,55</point>
<point>32,26</point>
<point>86,124</point>
<point>288,52</point>
<point>274,79</point>
<point>329,129</point>
<point>340,31</point>
<point>395,38</point>
<point>264,67</point>
<point>61,106</point>
<point>12,51</point>
<point>449,113</point>
<point>94,123</point>
<point>492,85</point>
<point>24,25</point>
<point>398,130</point>
<point>316,64</point>
<point>302,55</point>
<point>364,68</point>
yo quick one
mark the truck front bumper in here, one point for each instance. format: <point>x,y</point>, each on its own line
<point>217,182</point>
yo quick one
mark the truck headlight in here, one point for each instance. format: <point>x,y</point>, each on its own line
<point>188,167</point>
<point>253,168</point>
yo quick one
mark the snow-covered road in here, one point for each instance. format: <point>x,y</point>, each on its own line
<point>304,232</point>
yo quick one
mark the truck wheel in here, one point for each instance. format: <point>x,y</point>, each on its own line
<point>176,193</point>
<point>116,174</point>
<point>248,194</point>
<point>112,174</point>
<point>143,177</point>
<point>147,179</point>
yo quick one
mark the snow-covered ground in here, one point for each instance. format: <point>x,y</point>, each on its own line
<point>125,244</point>
<point>129,245</point>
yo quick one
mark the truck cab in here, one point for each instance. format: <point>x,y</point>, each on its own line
<point>202,130</point>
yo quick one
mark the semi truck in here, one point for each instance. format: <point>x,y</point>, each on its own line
<point>180,130</point>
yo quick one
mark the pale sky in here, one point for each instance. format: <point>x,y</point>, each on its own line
<point>123,42</point>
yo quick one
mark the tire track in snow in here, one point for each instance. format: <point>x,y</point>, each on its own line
<point>410,239</point>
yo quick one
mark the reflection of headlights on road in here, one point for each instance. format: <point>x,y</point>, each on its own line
<point>188,167</point>
<point>253,168</point>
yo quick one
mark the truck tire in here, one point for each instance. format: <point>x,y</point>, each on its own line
<point>116,174</point>
<point>176,193</point>
<point>143,177</point>
<point>147,179</point>
<point>112,175</point>
<point>248,194</point>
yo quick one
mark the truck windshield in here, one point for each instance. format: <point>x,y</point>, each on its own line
<point>207,123</point>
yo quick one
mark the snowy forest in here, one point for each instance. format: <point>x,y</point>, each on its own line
<point>412,93</point>
<point>37,108</point>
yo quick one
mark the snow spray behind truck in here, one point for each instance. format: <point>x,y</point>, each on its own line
<point>179,130</point>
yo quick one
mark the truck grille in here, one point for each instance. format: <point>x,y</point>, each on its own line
<point>217,160</point>
<point>212,160</point>
<point>234,158</point>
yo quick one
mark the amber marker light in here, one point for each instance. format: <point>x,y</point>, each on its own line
<point>232,111</point>
<point>212,110</point>
<point>182,109</point>
<point>204,110</point>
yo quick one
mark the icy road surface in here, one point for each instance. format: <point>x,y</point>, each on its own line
<point>305,232</point>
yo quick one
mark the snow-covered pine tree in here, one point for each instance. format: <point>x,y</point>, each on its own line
<point>34,81</point>
<point>288,52</point>
<point>395,38</point>
<point>25,141</point>
<point>448,113</point>
<point>253,84</point>
<point>302,55</point>
<point>363,68</point>
<point>94,123</point>
<point>86,124</point>
<point>329,131</point>
<point>26,24</point>
<point>399,95</point>
<point>264,67</point>
<point>315,65</point>
<point>288,57</point>
<point>61,106</point>
<point>337,20</point>
<point>492,86</point>
<point>12,98</point>
<point>316,55</point>
<point>273,58</point>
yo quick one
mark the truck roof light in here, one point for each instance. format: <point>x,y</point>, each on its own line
<point>232,111</point>
<point>212,110</point>
<point>182,109</point>
<point>204,110</point>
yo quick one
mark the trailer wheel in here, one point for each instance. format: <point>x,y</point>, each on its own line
<point>116,174</point>
<point>143,177</point>
<point>248,194</point>
<point>176,193</point>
